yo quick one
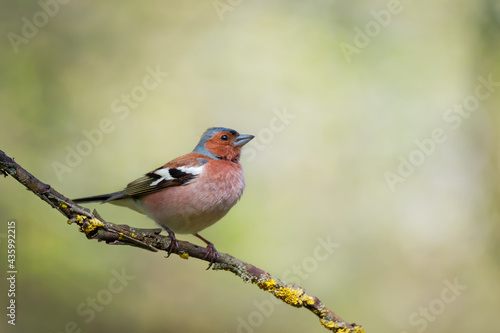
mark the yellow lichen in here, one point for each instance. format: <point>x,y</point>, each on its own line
<point>88,225</point>
<point>63,205</point>
<point>268,285</point>
<point>290,295</point>
<point>184,255</point>
<point>308,299</point>
<point>331,325</point>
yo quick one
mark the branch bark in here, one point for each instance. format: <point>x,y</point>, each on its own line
<point>95,227</point>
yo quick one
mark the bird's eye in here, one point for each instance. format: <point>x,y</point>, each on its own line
<point>224,137</point>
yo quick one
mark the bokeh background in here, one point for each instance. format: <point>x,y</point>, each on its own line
<point>339,94</point>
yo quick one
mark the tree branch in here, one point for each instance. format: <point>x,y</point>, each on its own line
<point>95,227</point>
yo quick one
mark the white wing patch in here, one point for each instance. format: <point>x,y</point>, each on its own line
<point>165,173</point>
<point>192,170</point>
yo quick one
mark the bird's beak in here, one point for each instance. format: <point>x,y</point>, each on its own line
<point>242,139</point>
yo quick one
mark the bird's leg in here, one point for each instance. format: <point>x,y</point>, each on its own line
<point>173,245</point>
<point>212,254</point>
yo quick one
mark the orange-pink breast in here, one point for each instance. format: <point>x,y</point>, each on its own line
<point>199,204</point>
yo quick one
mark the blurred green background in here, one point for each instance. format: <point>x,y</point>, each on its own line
<point>341,96</point>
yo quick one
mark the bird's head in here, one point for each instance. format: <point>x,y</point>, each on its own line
<point>222,143</point>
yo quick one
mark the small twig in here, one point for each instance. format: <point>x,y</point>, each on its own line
<point>95,227</point>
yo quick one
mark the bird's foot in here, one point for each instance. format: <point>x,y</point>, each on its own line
<point>173,244</point>
<point>212,254</point>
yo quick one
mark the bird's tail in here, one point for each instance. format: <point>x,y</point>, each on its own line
<point>101,198</point>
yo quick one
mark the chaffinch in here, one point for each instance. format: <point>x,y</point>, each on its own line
<point>191,192</point>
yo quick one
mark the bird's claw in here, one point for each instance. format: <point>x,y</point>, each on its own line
<point>173,244</point>
<point>212,255</point>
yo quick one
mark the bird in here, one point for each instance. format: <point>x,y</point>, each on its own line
<point>191,192</point>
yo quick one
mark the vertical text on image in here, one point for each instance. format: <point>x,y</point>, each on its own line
<point>11,272</point>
